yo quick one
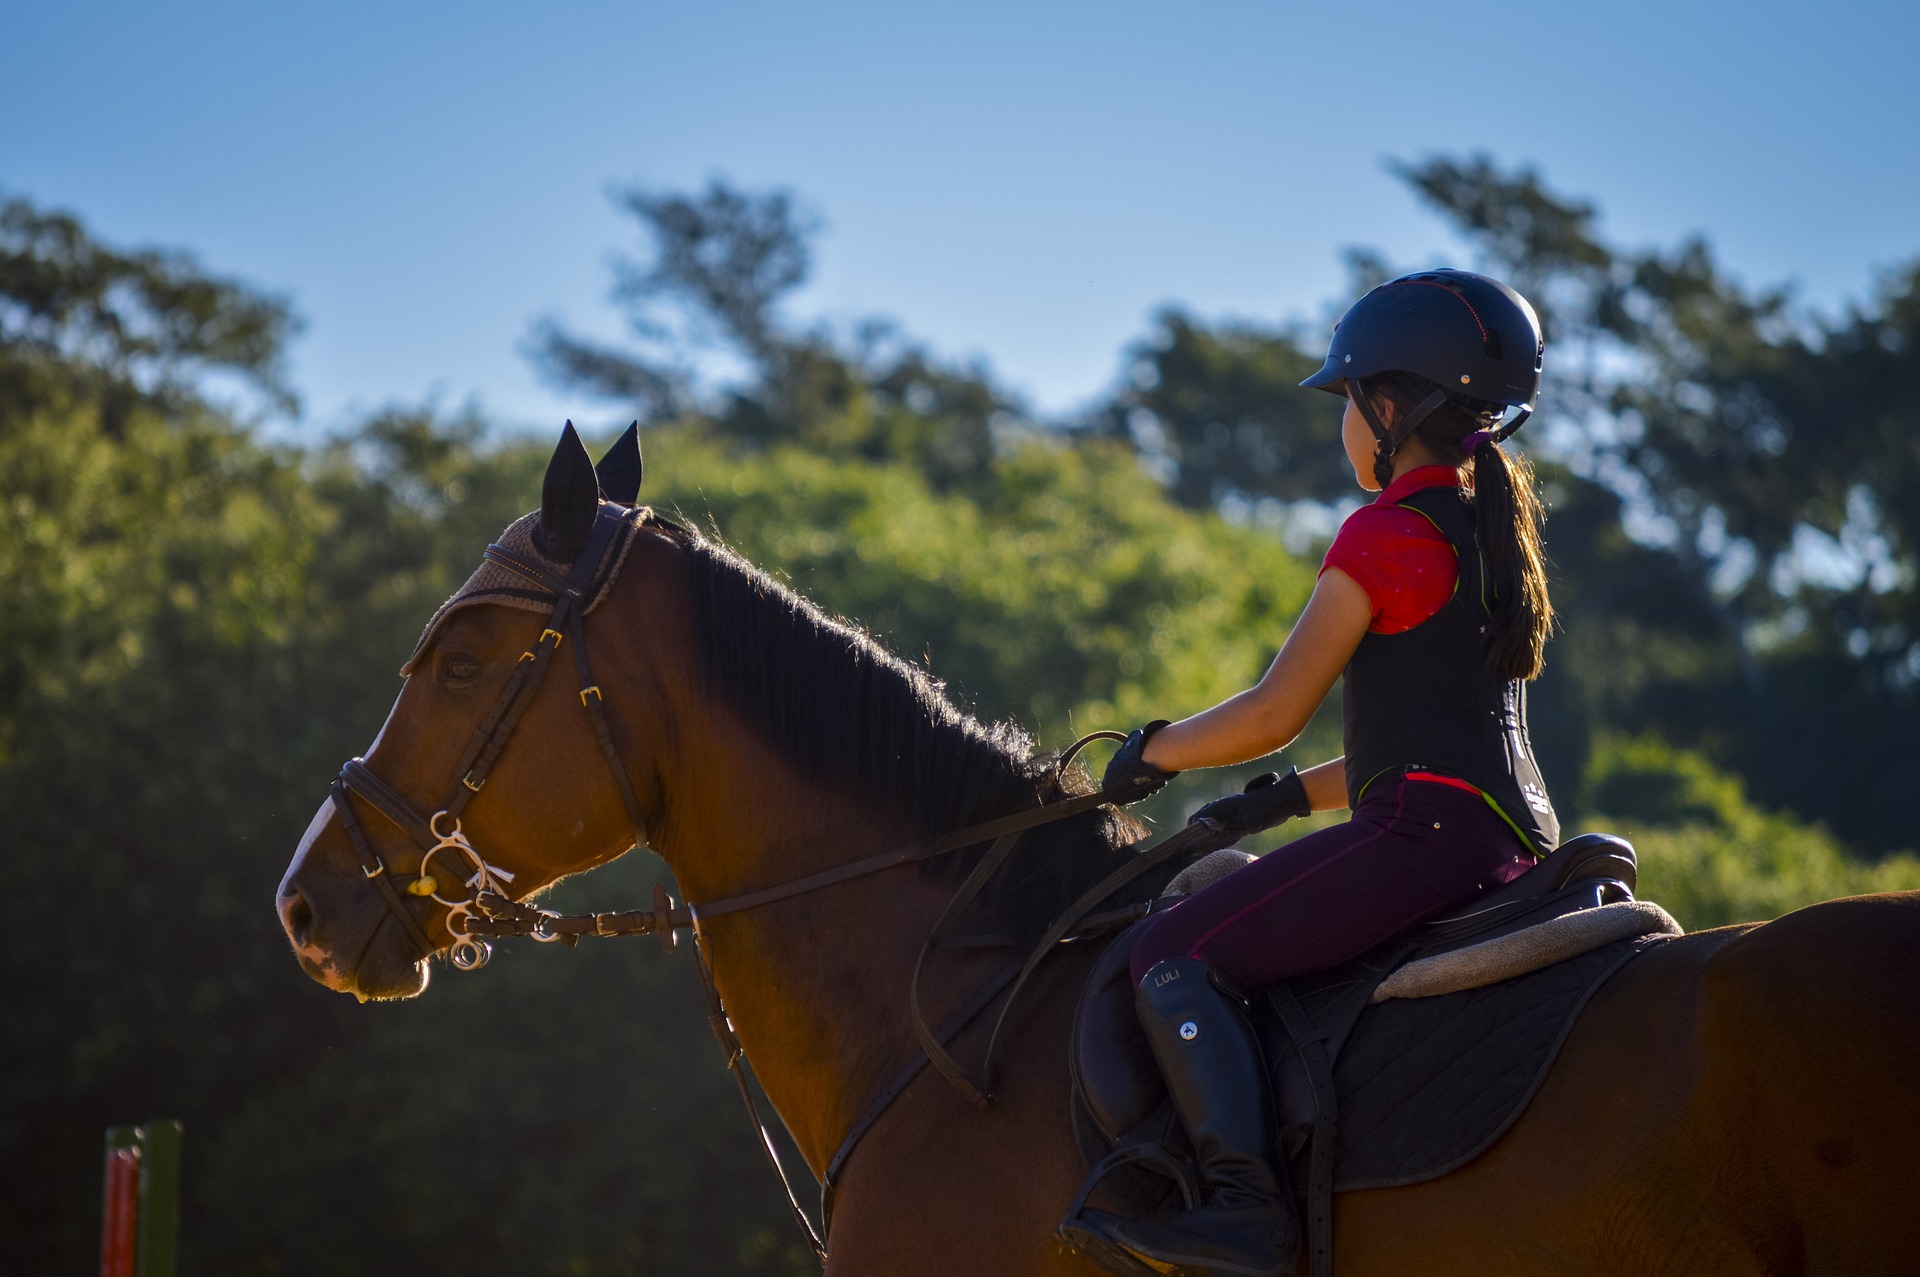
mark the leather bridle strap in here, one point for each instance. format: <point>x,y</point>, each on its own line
<point>959,839</point>
<point>1077,920</point>
<point>1192,839</point>
<point>981,999</point>
<point>736,1057</point>
<point>511,918</point>
<point>490,737</point>
<point>934,1048</point>
<point>374,869</point>
<point>596,707</point>
<point>356,777</point>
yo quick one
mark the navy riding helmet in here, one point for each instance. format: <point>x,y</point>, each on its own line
<point>1471,336</point>
<point>1468,334</point>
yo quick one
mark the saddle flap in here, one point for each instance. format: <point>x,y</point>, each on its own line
<point>1113,1068</point>
<point>1331,1001</point>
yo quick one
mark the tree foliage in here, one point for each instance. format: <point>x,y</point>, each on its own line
<point>1707,853</point>
<point>1069,596</point>
<point>117,320</point>
<point>722,264</point>
<point>199,625</point>
<point>1221,409</point>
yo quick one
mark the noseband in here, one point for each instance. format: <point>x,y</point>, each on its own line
<point>440,833</point>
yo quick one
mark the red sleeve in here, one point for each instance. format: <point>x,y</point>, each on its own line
<point>1400,559</point>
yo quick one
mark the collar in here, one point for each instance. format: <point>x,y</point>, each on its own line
<point>1415,480</point>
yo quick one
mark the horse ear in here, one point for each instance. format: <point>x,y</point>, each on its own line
<point>621,468</point>
<point>569,500</point>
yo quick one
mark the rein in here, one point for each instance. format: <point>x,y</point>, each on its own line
<point>504,917</point>
<point>488,913</point>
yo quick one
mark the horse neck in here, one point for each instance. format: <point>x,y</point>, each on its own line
<point>816,985</point>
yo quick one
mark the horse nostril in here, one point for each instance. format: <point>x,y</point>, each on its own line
<point>296,915</point>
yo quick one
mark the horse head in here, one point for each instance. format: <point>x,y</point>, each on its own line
<point>480,711</point>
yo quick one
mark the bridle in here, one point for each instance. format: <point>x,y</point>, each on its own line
<point>440,834</point>
<point>487,911</point>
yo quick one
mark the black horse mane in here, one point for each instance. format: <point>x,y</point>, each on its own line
<point>853,715</point>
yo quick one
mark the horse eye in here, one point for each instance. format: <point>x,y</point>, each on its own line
<point>457,670</point>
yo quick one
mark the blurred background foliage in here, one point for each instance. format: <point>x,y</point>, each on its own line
<point>200,622</point>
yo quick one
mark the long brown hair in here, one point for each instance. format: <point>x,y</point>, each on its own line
<point>1507,515</point>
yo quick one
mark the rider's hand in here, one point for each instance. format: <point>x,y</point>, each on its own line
<point>1268,799</point>
<point>1129,777</point>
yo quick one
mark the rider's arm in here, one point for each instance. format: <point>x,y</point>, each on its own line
<point>1271,713</point>
<point>1326,784</point>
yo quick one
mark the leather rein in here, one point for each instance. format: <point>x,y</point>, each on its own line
<point>487,912</point>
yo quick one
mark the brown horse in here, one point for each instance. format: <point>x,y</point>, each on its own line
<point>1737,1101</point>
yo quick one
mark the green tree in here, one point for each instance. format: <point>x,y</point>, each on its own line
<point>1220,411</point>
<point>1707,853</point>
<point>124,326</point>
<point>722,263</point>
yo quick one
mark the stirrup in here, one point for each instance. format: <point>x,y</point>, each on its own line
<point>1079,1232</point>
<point>1253,1241</point>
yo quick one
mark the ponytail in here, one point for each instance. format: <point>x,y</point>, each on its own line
<point>1507,516</point>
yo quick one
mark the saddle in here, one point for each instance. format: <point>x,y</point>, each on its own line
<point>1468,1018</point>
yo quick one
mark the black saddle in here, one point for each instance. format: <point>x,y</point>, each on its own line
<point>1124,1115</point>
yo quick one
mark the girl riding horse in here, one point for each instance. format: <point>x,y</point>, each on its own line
<point>1432,606</point>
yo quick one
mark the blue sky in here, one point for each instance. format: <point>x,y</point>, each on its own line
<point>1024,183</point>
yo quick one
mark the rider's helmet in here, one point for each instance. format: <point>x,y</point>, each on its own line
<point>1473,337</point>
<point>1466,333</point>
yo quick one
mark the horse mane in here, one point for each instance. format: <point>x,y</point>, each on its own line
<point>852,715</point>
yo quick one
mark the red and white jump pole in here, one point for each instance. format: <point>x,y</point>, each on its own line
<point>140,1217</point>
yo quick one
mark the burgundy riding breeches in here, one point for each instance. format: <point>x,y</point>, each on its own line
<point>1413,850</point>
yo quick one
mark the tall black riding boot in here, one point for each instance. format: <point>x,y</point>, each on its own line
<point>1246,1224</point>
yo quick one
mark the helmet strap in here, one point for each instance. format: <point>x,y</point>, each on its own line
<point>1382,437</point>
<point>1512,427</point>
<point>1387,442</point>
<point>1421,411</point>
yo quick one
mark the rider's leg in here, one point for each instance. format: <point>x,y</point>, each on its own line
<point>1412,851</point>
<point>1245,1223</point>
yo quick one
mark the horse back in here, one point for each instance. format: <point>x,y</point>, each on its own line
<point>1734,1101</point>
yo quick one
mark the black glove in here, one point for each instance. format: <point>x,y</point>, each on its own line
<point>1129,777</point>
<point>1267,800</point>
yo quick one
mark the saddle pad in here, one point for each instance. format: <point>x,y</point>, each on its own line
<point>1427,1084</point>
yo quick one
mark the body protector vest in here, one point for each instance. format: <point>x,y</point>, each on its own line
<point>1425,697</point>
